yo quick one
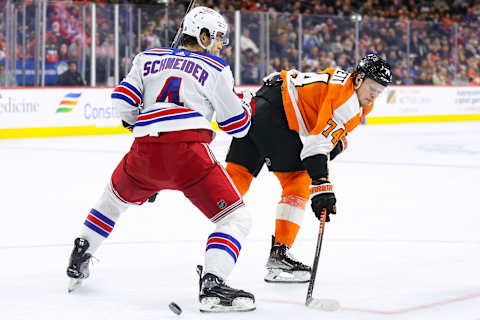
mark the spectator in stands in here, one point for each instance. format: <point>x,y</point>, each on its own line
<point>250,72</point>
<point>7,79</point>
<point>246,42</point>
<point>406,78</point>
<point>2,46</point>
<point>149,38</point>
<point>461,77</point>
<point>63,52</point>
<point>313,58</point>
<point>424,78</point>
<point>439,77</point>
<point>71,77</point>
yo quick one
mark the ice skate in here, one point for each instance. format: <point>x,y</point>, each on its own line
<point>77,269</point>
<point>283,267</point>
<point>216,296</point>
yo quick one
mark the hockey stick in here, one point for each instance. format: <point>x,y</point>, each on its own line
<point>176,39</point>
<point>322,304</point>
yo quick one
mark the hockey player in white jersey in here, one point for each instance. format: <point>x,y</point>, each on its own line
<point>168,100</point>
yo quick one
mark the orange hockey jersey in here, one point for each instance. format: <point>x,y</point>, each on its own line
<point>322,107</point>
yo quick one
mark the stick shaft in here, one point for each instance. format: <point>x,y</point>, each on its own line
<point>321,230</point>
<point>176,39</point>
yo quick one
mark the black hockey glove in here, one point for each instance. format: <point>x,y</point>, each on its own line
<point>127,126</point>
<point>323,198</point>
<point>153,197</point>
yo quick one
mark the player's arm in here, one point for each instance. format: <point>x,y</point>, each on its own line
<point>127,97</point>
<point>232,113</point>
<point>315,156</point>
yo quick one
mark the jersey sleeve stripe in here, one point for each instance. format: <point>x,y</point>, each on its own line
<point>131,87</point>
<point>240,129</point>
<point>129,93</point>
<point>233,119</point>
<point>125,98</point>
<point>235,124</point>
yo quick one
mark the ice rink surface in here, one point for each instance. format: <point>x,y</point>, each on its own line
<point>405,243</point>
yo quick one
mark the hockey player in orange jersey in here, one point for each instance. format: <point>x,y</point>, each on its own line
<point>300,124</point>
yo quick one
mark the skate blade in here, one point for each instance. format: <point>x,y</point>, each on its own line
<point>74,284</point>
<point>238,305</point>
<point>280,276</point>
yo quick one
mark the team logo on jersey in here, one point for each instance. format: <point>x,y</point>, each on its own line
<point>222,204</point>
<point>68,102</point>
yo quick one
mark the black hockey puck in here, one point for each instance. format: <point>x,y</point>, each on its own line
<point>175,308</point>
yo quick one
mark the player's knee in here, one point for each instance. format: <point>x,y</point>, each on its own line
<point>240,175</point>
<point>295,183</point>
<point>237,223</point>
<point>110,204</point>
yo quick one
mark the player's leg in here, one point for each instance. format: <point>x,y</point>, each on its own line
<point>282,266</point>
<point>281,147</point>
<point>122,191</point>
<point>244,161</point>
<point>219,200</point>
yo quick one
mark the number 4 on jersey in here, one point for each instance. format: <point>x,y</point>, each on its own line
<point>171,91</point>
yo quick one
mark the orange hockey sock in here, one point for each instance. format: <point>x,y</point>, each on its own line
<point>240,176</point>
<point>290,210</point>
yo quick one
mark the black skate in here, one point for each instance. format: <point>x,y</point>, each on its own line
<point>283,267</point>
<point>216,296</point>
<point>77,269</point>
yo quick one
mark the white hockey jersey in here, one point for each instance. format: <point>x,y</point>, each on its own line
<point>176,89</point>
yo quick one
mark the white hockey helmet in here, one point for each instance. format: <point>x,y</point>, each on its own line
<point>202,17</point>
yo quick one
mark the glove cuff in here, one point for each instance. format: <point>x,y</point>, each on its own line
<point>316,166</point>
<point>324,187</point>
<point>127,125</point>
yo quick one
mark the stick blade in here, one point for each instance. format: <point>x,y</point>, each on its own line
<point>323,304</point>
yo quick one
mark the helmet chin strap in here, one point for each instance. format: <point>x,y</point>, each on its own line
<point>209,47</point>
<point>360,81</point>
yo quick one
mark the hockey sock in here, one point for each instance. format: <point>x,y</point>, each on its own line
<point>224,244</point>
<point>290,210</point>
<point>240,176</point>
<point>101,219</point>
<point>288,222</point>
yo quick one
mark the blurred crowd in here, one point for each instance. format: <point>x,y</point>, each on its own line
<point>426,42</point>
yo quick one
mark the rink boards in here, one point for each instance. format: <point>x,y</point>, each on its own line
<point>80,111</point>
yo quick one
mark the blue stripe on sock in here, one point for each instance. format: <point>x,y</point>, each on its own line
<point>224,248</point>
<point>100,216</point>
<point>226,236</point>
<point>101,232</point>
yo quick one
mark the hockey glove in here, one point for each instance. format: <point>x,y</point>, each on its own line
<point>339,148</point>
<point>127,126</point>
<point>152,197</point>
<point>323,198</point>
<point>248,103</point>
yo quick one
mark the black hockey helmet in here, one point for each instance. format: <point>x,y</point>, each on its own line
<point>375,68</point>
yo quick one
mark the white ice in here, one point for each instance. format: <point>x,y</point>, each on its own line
<point>405,243</point>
